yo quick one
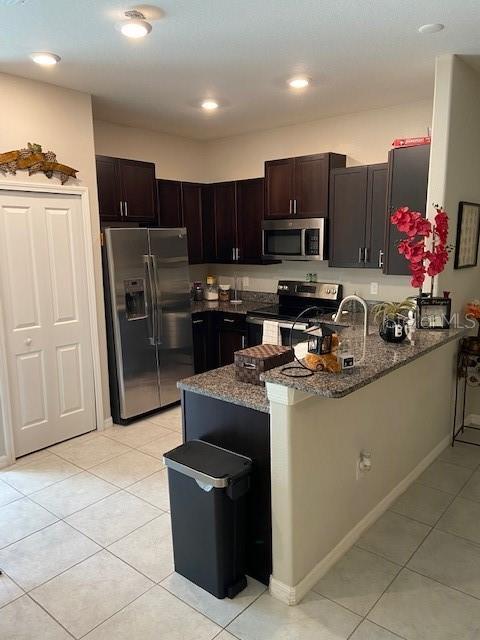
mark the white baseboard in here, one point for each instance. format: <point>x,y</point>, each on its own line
<point>474,419</point>
<point>108,422</point>
<point>293,595</point>
<point>5,462</point>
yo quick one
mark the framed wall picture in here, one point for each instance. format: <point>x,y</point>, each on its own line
<point>468,232</point>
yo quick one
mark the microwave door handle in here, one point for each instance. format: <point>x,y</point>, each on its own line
<point>302,242</point>
<point>151,303</point>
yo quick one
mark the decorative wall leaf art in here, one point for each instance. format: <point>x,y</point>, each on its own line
<point>34,160</point>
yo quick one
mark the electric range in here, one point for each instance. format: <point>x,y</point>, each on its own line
<point>295,297</point>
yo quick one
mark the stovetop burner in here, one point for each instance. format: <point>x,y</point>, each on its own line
<point>288,312</point>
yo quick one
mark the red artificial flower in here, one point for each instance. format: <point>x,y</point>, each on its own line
<point>417,229</point>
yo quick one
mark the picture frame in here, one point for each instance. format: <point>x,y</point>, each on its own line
<point>433,313</point>
<point>468,235</point>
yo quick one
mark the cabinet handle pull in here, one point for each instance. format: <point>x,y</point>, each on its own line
<point>121,209</point>
<point>229,320</point>
<point>244,344</point>
<point>295,207</point>
<point>233,253</point>
<point>290,207</point>
<point>197,321</point>
<point>360,254</point>
<point>126,208</point>
<point>365,255</point>
<point>380,259</point>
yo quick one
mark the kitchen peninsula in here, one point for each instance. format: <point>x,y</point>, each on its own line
<point>306,436</point>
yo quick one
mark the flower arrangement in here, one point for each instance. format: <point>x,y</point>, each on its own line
<point>472,310</point>
<point>423,260</point>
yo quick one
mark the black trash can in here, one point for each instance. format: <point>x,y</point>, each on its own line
<point>208,487</point>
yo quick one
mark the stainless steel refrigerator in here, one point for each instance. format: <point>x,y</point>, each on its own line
<point>148,317</point>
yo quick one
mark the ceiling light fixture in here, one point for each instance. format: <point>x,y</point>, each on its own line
<point>301,82</point>
<point>45,59</point>
<point>135,26</point>
<point>209,105</point>
<point>431,28</point>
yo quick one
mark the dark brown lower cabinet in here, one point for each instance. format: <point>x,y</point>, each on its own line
<point>247,432</point>
<point>407,186</point>
<point>203,342</point>
<point>231,329</point>
<point>357,216</point>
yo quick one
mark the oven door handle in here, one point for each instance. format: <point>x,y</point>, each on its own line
<point>299,326</point>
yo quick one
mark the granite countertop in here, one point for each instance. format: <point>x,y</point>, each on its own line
<point>381,358</point>
<point>227,307</point>
<point>221,384</point>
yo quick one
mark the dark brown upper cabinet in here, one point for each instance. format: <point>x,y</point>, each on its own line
<point>357,216</point>
<point>407,186</point>
<point>224,204</point>
<point>299,187</point>
<point>192,220</point>
<point>169,194</point>
<point>250,206</point>
<point>126,190</point>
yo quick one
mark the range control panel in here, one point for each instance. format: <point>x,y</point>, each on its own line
<point>323,290</point>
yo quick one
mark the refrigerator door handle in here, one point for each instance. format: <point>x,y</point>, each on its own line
<point>151,300</point>
<point>158,297</point>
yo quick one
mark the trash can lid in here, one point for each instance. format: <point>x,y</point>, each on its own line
<point>207,463</point>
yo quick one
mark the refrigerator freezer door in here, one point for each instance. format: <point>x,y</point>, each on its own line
<point>174,320</point>
<point>132,286</point>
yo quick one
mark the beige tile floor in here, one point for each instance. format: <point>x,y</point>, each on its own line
<point>86,550</point>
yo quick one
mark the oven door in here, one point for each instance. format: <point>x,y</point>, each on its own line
<point>294,239</point>
<point>255,331</point>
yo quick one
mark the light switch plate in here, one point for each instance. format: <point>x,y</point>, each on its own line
<point>374,288</point>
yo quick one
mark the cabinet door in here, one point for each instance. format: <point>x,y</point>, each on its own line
<point>192,220</point>
<point>232,336</point>
<point>169,203</point>
<point>407,186</point>
<point>376,215</point>
<point>109,191</point>
<point>200,342</point>
<point>139,190</point>
<point>279,184</point>
<point>311,186</point>
<point>250,201</point>
<point>348,210</point>
<point>208,223</point>
<point>225,221</point>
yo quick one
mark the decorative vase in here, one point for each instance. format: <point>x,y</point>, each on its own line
<point>393,330</point>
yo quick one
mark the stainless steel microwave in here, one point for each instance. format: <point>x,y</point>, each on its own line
<point>303,239</point>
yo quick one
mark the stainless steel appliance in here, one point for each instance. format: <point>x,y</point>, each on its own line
<point>294,297</point>
<point>148,317</point>
<point>304,239</point>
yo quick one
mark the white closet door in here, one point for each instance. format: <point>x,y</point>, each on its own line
<point>45,308</point>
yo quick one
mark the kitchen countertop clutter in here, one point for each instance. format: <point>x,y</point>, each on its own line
<point>381,359</point>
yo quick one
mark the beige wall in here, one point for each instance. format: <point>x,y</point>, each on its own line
<point>317,500</point>
<point>364,137</point>
<point>175,158</point>
<point>455,169</point>
<point>455,165</point>
<point>60,120</point>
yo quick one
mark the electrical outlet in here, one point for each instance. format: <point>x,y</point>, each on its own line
<point>374,288</point>
<point>245,282</point>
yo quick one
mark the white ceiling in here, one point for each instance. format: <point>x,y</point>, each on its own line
<point>361,54</point>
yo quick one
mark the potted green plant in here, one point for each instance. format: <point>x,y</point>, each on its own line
<point>392,318</point>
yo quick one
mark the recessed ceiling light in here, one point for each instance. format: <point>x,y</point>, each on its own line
<point>209,105</point>
<point>431,28</point>
<point>135,26</point>
<point>300,82</point>
<point>45,59</point>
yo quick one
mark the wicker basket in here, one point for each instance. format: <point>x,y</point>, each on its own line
<point>251,362</point>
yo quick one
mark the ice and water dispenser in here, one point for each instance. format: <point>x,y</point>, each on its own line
<point>135,301</point>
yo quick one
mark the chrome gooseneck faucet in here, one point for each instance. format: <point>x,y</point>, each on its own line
<point>337,317</point>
